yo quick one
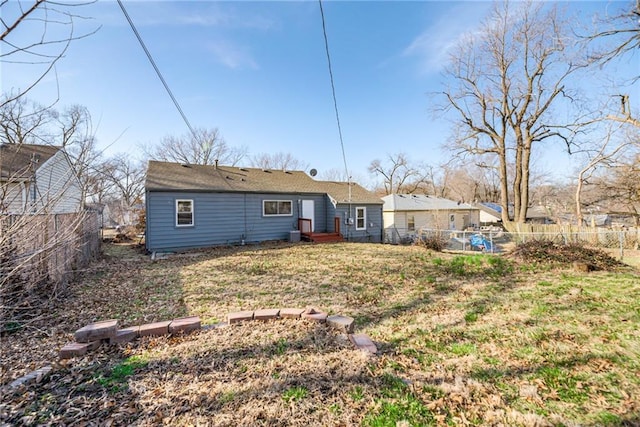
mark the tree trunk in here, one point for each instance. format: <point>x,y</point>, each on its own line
<point>579,216</point>
<point>524,184</point>
<point>517,180</point>
<point>504,189</point>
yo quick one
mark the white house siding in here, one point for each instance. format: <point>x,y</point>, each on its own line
<point>13,197</point>
<point>57,187</point>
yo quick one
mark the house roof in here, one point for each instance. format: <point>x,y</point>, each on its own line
<point>421,202</point>
<point>17,160</point>
<point>166,176</point>
<point>490,208</point>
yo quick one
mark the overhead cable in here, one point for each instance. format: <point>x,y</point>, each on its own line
<point>155,67</point>
<point>333,91</point>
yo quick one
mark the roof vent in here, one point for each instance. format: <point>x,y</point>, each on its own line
<point>228,177</point>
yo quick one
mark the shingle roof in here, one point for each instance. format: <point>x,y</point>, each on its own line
<point>166,176</point>
<point>16,160</point>
<point>339,192</point>
<point>420,202</point>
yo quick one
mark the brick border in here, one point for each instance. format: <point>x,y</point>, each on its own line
<point>91,337</point>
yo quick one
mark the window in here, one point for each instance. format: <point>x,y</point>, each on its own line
<point>184,213</point>
<point>361,218</point>
<point>277,208</point>
<point>411,223</point>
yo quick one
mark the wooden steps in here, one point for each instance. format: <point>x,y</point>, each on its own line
<point>323,237</point>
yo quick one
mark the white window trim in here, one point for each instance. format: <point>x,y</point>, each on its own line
<point>278,214</point>
<point>409,227</point>
<point>193,214</point>
<point>364,217</point>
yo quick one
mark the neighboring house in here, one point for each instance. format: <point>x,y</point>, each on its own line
<point>539,215</point>
<point>37,179</point>
<point>490,213</point>
<point>193,206</point>
<point>405,214</point>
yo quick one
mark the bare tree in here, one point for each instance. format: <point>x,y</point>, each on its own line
<point>619,32</point>
<point>605,154</point>
<point>75,133</point>
<point>47,29</point>
<point>621,185</point>
<point>282,161</point>
<point>126,177</point>
<point>507,79</point>
<point>399,175</point>
<point>23,121</point>
<point>618,35</point>
<point>335,174</point>
<point>205,147</point>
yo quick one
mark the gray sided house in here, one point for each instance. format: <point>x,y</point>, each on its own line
<point>196,206</point>
<point>37,179</point>
<point>406,214</point>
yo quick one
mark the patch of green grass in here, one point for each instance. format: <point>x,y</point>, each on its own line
<point>281,346</point>
<point>569,388</point>
<point>357,393</point>
<point>397,405</point>
<point>116,379</point>
<point>226,397</point>
<point>609,419</point>
<point>474,265</point>
<point>295,393</point>
<point>462,349</point>
<point>335,409</point>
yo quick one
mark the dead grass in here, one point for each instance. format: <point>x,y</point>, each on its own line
<point>463,339</point>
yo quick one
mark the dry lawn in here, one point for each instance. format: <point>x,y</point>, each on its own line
<point>463,340</point>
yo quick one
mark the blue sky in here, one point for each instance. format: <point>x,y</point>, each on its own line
<point>258,72</point>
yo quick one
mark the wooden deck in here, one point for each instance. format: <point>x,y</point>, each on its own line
<point>304,225</point>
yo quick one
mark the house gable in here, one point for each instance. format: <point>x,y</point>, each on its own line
<point>37,179</point>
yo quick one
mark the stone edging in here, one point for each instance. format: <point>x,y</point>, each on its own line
<point>93,335</point>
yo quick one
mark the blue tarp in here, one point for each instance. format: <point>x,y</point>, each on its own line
<point>478,241</point>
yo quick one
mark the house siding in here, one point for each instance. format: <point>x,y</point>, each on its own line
<point>54,190</point>
<point>222,219</point>
<point>373,221</point>
<point>13,197</point>
<point>396,222</point>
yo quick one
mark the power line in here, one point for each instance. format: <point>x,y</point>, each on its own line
<point>333,91</point>
<point>155,67</point>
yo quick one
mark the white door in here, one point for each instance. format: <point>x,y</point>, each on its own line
<point>309,213</point>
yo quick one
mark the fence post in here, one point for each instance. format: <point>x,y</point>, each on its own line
<point>621,239</point>
<point>464,240</point>
<point>491,240</point>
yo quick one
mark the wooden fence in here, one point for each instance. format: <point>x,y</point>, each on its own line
<point>42,251</point>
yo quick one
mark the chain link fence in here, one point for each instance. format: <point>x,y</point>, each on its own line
<point>496,240</point>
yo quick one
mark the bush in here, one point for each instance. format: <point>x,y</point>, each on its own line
<point>434,242</point>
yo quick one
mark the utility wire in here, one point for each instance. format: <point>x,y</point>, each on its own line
<point>333,91</point>
<point>155,67</point>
